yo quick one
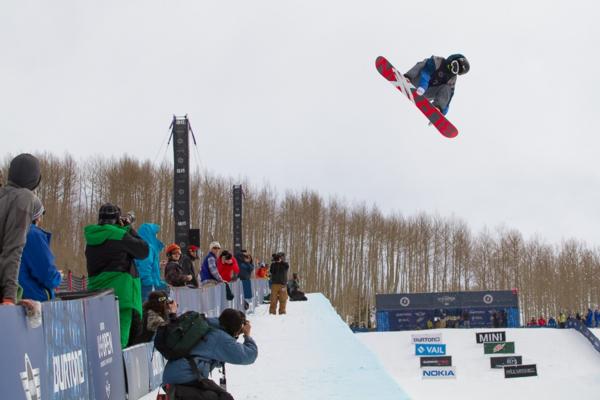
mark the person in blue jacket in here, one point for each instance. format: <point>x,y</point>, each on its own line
<point>38,275</point>
<point>589,318</point>
<point>149,267</point>
<point>219,346</point>
<point>435,78</point>
<point>597,317</point>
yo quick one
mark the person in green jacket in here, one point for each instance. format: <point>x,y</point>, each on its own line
<point>111,247</point>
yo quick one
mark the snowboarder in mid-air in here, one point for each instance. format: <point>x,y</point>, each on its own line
<point>435,78</point>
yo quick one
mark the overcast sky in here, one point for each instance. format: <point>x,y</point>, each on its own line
<point>286,92</point>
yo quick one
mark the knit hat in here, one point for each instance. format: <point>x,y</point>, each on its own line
<point>108,214</point>
<point>171,248</point>
<point>192,247</point>
<point>25,171</point>
<point>215,244</point>
<point>232,321</point>
<point>38,209</point>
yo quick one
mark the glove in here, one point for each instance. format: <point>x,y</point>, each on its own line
<point>420,91</point>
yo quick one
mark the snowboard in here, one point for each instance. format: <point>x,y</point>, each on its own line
<point>434,115</point>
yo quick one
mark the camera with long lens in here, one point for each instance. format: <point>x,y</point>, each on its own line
<point>128,218</point>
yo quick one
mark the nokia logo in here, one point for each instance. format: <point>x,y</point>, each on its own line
<point>438,373</point>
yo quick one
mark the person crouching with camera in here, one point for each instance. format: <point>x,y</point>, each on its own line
<point>111,247</point>
<point>158,311</point>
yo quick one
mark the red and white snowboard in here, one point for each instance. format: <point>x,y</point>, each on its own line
<point>434,115</point>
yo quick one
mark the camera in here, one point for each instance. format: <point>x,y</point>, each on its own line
<point>128,218</point>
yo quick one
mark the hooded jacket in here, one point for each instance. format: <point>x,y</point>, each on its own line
<point>215,348</point>
<point>38,275</point>
<point>149,267</point>
<point>16,214</point>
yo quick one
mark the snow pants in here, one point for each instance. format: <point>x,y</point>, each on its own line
<point>278,293</point>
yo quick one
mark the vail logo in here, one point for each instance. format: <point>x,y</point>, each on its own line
<point>30,378</point>
<point>431,349</point>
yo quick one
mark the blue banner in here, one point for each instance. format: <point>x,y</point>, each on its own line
<point>156,365</point>
<point>580,326</point>
<point>105,358</point>
<point>66,360</point>
<point>430,349</point>
<point>24,353</point>
<point>137,371</point>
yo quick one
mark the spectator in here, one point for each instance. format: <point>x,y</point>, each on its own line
<point>246,267</point>
<point>149,267</point>
<point>263,271</point>
<point>38,275</point>
<point>111,247</point>
<point>293,289</point>
<point>209,273</point>
<point>16,213</point>
<point>430,323</point>
<point>541,321</point>
<point>466,317</point>
<point>279,269</point>
<point>589,318</point>
<point>495,320</point>
<point>597,317</point>
<point>158,310</point>
<point>502,320</point>
<point>552,323</point>
<point>174,274</point>
<point>187,264</point>
<point>218,347</point>
<point>532,322</point>
<point>227,266</point>
<point>562,320</point>
<point>578,317</point>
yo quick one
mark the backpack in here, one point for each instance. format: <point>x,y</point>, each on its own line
<point>177,338</point>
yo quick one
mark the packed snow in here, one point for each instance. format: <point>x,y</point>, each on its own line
<point>310,353</point>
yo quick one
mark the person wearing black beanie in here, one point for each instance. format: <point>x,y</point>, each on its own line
<point>17,202</point>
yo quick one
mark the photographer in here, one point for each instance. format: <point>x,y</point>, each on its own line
<point>218,347</point>
<point>158,310</point>
<point>111,247</point>
<point>279,270</point>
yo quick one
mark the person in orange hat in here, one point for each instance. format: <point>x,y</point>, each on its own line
<point>174,274</point>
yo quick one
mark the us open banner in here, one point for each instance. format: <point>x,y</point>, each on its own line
<point>104,348</point>
<point>24,352</point>
<point>66,359</point>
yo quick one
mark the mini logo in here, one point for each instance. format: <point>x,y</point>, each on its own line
<point>488,299</point>
<point>30,378</point>
<point>404,301</point>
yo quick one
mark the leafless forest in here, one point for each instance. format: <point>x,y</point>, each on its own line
<point>348,252</point>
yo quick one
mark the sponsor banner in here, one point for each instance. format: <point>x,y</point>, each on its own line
<point>499,299</point>
<point>66,359</point>
<point>438,373</point>
<point>137,371</point>
<point>155,367</point>
<point>426,338</point>
<point>520,371</point>
<point>499,348</point>
<point>430,349</point>
<point>104,355</point>
<point>506,361</point>
<point>487,337</point>
<point>24,353</point>
<point>442,361</point>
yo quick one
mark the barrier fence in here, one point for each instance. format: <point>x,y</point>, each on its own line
<point>76,352</point>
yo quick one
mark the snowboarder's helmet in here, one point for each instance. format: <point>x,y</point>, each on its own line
<point>458,64</point>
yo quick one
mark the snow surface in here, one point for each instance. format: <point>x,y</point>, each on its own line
<point>568,366</point>
<point>311,354</point>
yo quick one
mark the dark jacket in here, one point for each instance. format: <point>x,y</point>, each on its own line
<point>187,267</point>
<point>215,348</point>
<point>38,275</point>
<point>112,248</point>
<point>246,269</point>
<point>279,272</point>
<point>174,274</point>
